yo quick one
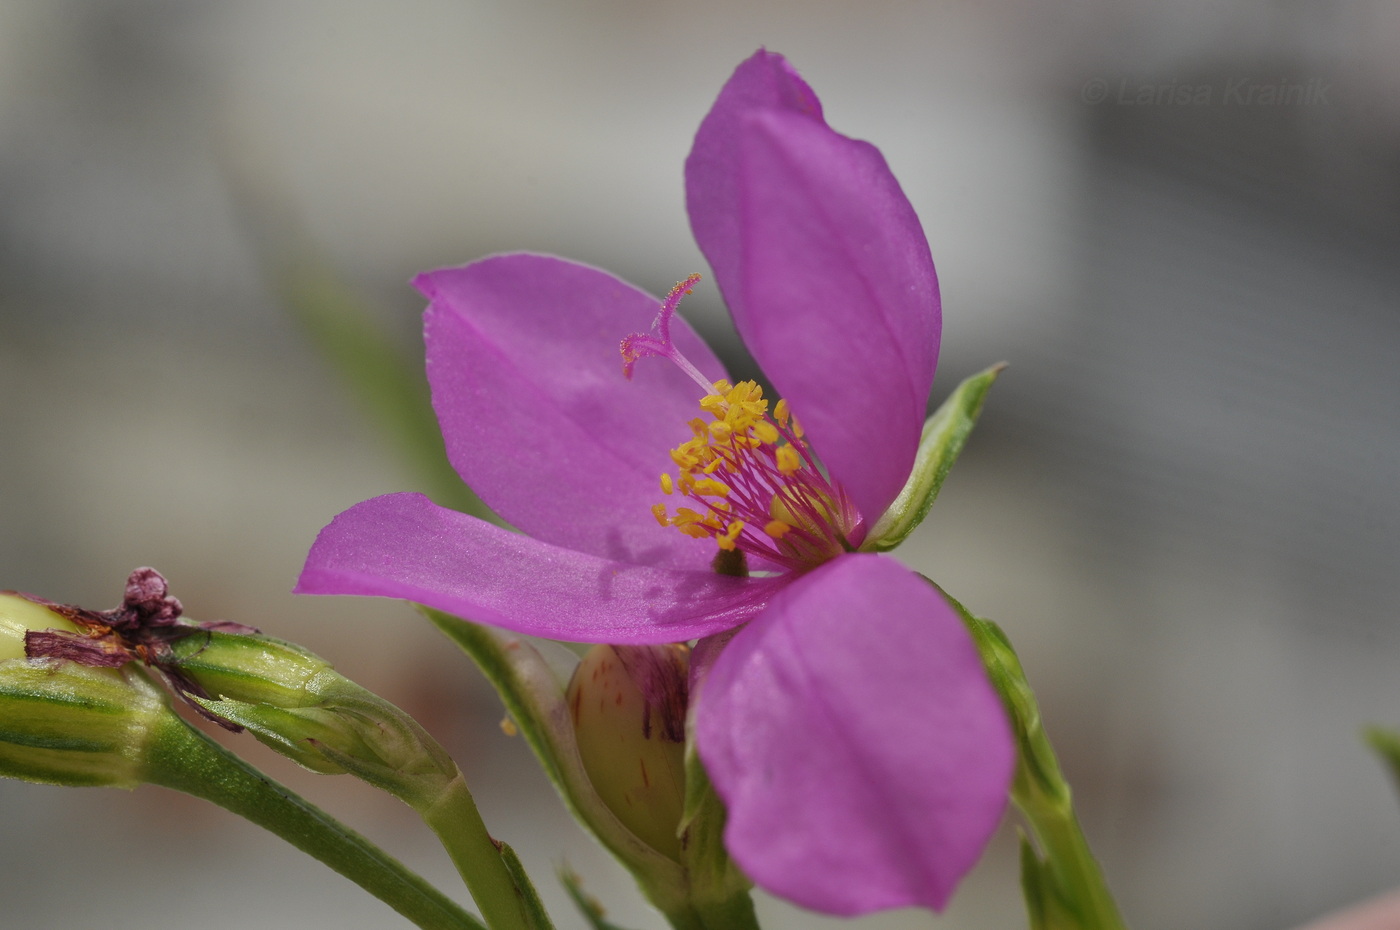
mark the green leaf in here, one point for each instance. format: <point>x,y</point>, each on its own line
<point>588,905</point>
<point>1037,887</point>
<point>945,433</point>
<point>1386,744</point>
<point>386,378</point>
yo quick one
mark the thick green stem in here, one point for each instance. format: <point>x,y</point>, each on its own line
<point>735,913</point>
<point>453,816</point>
<point>181,758</point>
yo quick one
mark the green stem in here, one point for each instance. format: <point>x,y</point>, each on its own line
<point>735,913</point>
<point>454,817</point>
<point>1081,896</point>
<point>1062,882</point>
<point>181,758</point>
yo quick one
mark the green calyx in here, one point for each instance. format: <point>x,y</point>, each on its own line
<point>67,724</point>
<point>253,668</point>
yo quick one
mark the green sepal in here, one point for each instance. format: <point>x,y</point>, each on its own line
<point>253,668</point>
<point>1044,909</point>
<point>350,730</point>
<point>719,891</point>
<point>533,907</point>
<point>944,435</point>
<point>67,724</point>
<point>713,874</point>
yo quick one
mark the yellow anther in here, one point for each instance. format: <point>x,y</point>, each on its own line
<point>726,539</point>
<point>789,461</point>
<point>737,435</point>
<point>709,487</point>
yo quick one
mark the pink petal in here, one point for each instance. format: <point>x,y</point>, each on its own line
<point>538,419</point>
<point>405,546</point>
<point>826,270</point>
<point>851,730</point>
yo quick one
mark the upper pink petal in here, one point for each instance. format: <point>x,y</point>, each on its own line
<point>538,419</point>
<point>405,546</point>
<point>826,270</point>
<point>851,730</point>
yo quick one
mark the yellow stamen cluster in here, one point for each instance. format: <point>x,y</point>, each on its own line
<point>721,456</point>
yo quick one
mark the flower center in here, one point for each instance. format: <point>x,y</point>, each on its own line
<point>753,482</point>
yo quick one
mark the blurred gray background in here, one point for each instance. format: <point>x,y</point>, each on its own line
<point>1182,503</point>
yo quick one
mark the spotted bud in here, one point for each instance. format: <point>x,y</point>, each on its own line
<point>628,706</point>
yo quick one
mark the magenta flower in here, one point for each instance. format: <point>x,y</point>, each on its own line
<point>849,726</point>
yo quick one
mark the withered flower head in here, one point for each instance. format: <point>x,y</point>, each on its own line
<point>142,629</point>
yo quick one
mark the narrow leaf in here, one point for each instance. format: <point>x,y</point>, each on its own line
<point>1386,743</point>
<point>588,905</point>
<point>945,434</point>
<point>386,378</point>
<point>533,906</point>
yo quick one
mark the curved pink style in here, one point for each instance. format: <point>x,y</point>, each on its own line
<point>848,725</point>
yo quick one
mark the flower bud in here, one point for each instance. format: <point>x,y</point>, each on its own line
<point>296,703</point>
<point>68,724</point>
<point>19,615</point>
<point>253,668</point>
<point>628,706</point>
